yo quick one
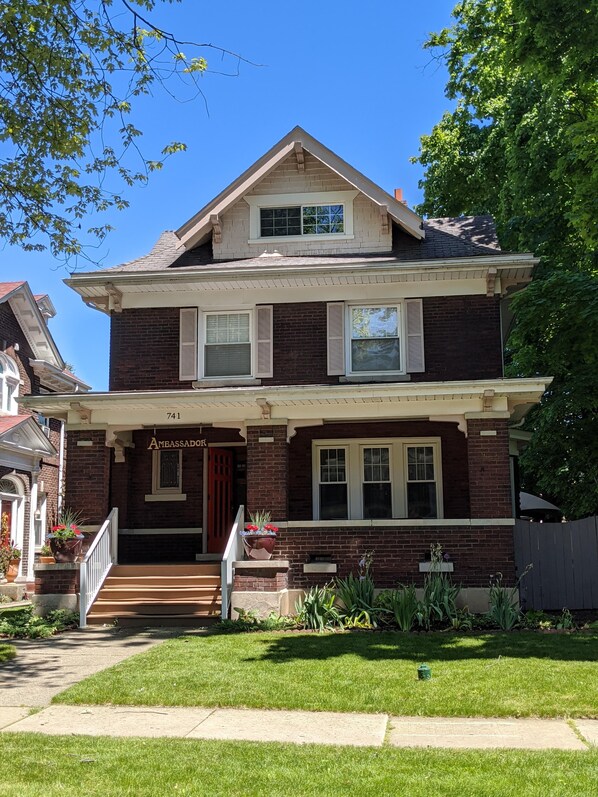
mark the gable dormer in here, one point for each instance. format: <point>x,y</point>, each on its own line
<point>300,199</point>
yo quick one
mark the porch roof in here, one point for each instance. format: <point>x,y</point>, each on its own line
<point>456,401</point>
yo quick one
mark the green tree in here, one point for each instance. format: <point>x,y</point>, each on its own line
<point>521,144</point>
<point>70,73</point>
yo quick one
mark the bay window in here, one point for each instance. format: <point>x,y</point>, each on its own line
<point>377,479</point>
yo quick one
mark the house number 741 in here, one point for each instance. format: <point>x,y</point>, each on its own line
<point>173,416</point>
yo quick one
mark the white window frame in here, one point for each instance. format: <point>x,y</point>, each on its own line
<point>256,202</point>
<point>401,310</point>
<point>398,473</point>
<point>203,343</point>
<point>9,376</point>
<point>156,489</point>
<point>41,517</point>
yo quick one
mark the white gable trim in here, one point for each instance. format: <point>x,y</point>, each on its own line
<point>199,226</point>
<point>31,321</point>
<point>26,439</point>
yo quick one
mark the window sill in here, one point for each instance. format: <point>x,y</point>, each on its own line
<point>441,567</point>
<point>281,239</point>
<point>239,381</point>
<point>375,378</point>
<point>166,497</point>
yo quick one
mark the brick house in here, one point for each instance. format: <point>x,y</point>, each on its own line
<point>309,345</point>
<point>32,446</point>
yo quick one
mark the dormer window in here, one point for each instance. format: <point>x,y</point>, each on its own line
<point>302,220</point>
<point>9,385</point>
<point>306,217</point>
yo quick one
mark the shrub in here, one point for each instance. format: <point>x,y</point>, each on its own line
<point>317,610</point>
<point>399,604</point>
<point>250,621</point>
<point>23,624</point>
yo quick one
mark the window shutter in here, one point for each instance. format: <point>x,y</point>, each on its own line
<point>264,344</point>
<point>188,344</point>
<point>336,338</point>
<point>415,336</point>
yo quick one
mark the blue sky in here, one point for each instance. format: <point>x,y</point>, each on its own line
<point>356,77</point>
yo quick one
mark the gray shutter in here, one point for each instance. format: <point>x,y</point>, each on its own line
<point>415,336</point>
<point>188,344</point>
<point>336,338</point>
<point>263,341</point>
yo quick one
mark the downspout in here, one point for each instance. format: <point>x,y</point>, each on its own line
<point>60,468</point>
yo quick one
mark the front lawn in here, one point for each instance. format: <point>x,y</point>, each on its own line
<point>70,766</point>
<point>517,674</point>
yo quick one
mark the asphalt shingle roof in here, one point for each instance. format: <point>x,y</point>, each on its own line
<point>467,236</point>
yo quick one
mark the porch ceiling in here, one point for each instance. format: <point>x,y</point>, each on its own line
<point>270,404</point>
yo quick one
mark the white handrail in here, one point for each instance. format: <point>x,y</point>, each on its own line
<point>102,554</point>
<point>232,553</point>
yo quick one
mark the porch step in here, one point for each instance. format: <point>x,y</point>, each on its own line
<point>187,594</point>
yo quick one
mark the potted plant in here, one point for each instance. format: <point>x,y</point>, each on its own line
<point>259,535</point>
<point>66,538</point>
<point>46,556</point>
<point>10,555</point>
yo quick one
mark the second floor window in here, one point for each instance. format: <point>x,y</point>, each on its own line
<point>375,339</point>
<point>9,385</point>
<point>227,350</point>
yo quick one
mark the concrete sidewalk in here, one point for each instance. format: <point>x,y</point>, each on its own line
<point>45,667</point>
<point>303,727</point>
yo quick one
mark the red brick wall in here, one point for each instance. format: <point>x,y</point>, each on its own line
<point>56,581</point>
<point>144,349</point>
<point>261,579</point>
<point>489,472</point>
<point>462,338</point>
<point>477,552</point>
<point>88,475</point>
<point>267,470</point>
<point>11,333</point>
<point>461,334</point>
<point>454,460</point>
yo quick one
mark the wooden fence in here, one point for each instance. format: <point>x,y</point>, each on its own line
<point>564,559</point>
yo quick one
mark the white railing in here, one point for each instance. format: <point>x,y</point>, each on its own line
<point>232,553</point>
<point>102,554</point>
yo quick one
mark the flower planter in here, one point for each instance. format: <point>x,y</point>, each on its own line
<point>66,550</point>
<point>259,546</point>
<point>47,560</point>
<point>12,571</point>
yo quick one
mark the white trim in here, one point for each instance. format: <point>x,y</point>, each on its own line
<point>165,493</point>
<point>202,377</point>
<point>349,525</point>
<point>165,496</point>
<point>258,201</point>
<point>354,473</point>
<point>399,304</point>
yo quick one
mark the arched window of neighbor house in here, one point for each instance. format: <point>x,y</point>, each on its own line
<point>9,385</point>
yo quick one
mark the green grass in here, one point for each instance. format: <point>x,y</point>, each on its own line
<point>32,765</point>
<point>518,674</point>
<point>7,652</point>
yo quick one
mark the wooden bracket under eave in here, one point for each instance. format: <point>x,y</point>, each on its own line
<point>490,282</point>
<point>216,229</point>
<point>300,156</point>
<point>83,412</point>
<point>97,303</point>
<point>488,400</point>
<point>265,407</point>
<point>115,298</point>
<point>384,225</point>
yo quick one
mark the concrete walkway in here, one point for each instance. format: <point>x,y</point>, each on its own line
<point>303,727</point>
<point>45,667</point>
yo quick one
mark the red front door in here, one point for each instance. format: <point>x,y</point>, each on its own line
<point>220,497</point>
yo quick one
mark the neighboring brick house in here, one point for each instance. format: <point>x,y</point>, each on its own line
<point>32,446</point>
<point>309,345</point>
